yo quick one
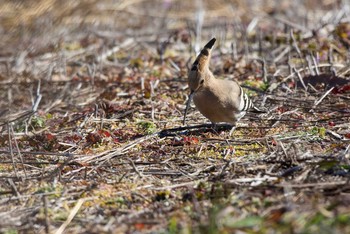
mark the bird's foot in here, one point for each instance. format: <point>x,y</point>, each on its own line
<point>218,128</point>
<point>214,127</point>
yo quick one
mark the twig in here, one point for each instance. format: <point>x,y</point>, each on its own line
<point>14,188</point>
<point>254,181</point>
<point>19,152</point>
<point>289,23</point>
<point>227,164</point>
<point>300,78</point>
<point>196,173</point>
<point>234,50</point>
<point>21,116</point>
<point>176,185</point>
<point>283,149</point>
<point>162,173</point>
<point>282,54</point>
<point>71,215</point>
<point>141,196</point>
<point>11,150</point>
<point>335,135</point>
<point>42,153</point>
<point>313,185</point>
<point>323,96</point>
<point>37,98</point>
<point>296,47</point>
<point>264,70</point>
<point>135,168</point>
<point>174,65</point>
<point>331,61</point>
<point>309,64</point>
<point>47,220</point>
<point>315,64</point>
<point>127,43</point>
<point>58,169</point>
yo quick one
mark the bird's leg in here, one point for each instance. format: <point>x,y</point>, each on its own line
<point>232,130</point>
<point>214,126</point>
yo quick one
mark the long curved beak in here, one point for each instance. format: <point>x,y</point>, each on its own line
<point>190,97</point>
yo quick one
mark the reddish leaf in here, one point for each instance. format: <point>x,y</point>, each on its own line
<point>331,123</point>
<point>139,226</point>
<point>103,133</point>
<point>50,137</point>
<point>191,140</point>
<point>342,89</point>
<point>276,215</point>
<point>291,84</point>
<point>121,135</point>
<point>281,109</point>
<point>46,141</point>
<point>273,142</point>
<point>74,138</point>
<point>77,137</point>
<point>93,138</point>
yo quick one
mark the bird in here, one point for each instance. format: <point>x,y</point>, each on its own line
<point>221,101</point>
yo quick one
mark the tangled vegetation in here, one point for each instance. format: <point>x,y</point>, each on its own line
<point>92,100</point>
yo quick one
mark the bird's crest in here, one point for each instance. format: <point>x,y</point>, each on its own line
<point>202,60</point>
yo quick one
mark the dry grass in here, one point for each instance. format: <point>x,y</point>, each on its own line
<point>92,99</point>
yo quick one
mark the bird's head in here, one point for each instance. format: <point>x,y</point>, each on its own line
<point>199,72</point>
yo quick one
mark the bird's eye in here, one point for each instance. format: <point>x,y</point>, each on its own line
<point>201,82</point>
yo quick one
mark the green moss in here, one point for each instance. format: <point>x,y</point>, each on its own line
<point>70,46</point>
<point>247,222</point>
<point>118,202</point>
<point>173,226</point>
<point>10,231</point>
<point>136,63</point>
<point>264,86</point>
<point>52,191</point>
<point>147,127</point>
<point>318,132</point>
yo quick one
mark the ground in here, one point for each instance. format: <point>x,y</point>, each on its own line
<point>91,108</point>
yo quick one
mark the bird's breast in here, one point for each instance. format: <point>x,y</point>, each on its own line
<point>212,106</point>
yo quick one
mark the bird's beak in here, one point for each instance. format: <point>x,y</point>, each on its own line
<point>187,106</point>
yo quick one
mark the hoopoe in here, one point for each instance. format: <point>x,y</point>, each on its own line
<point>218,100</point>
